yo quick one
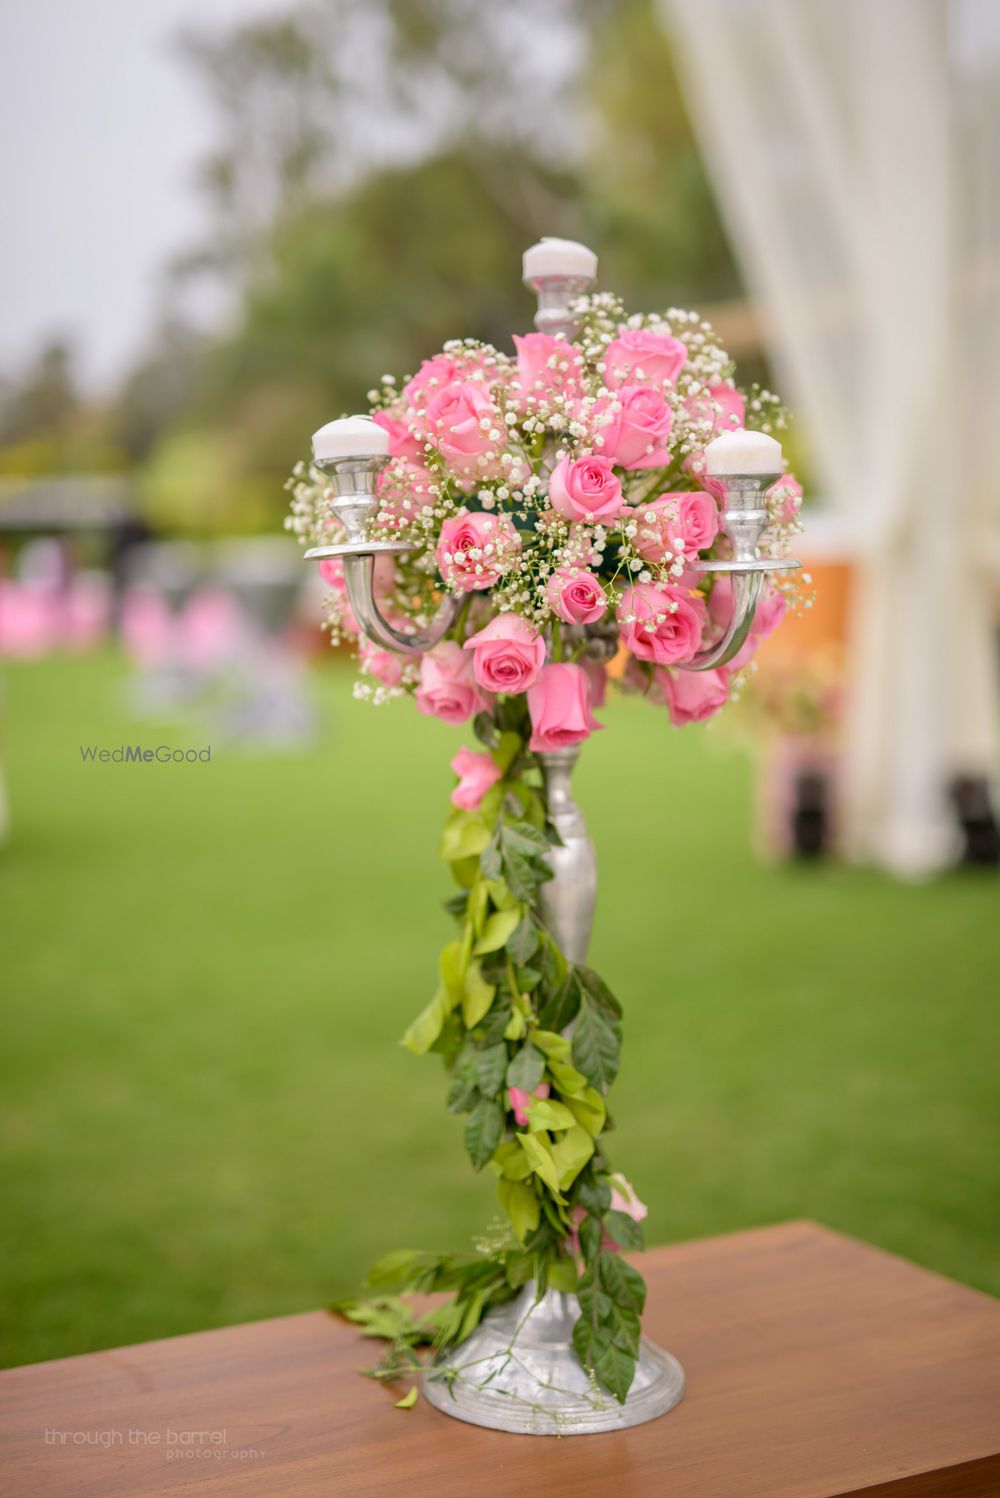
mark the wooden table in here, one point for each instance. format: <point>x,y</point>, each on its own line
<point>816,1367</point>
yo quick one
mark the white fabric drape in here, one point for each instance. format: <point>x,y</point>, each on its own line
<point>855,148</point>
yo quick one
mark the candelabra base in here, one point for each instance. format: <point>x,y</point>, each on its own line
<point>518,1372</point>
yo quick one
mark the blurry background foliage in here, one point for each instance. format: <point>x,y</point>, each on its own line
<point>377,169</point>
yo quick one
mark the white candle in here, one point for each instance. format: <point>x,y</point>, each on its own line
<point>559,257</point>
<point>743,452</point>
<point>350,437</point>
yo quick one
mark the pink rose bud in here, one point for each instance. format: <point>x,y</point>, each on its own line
<point>770,612</point>
<point>476,774</point>
<point>519,1101</point>
<point>660,624</point>
<point>636,435</point>
<point>624,1199</point>
<point>474,550</point>
<point>447,687</point>
<point>559,705</point>
<point>575,596</point>
<point>508,654</point>
<point>693,696</point>
<point>585,490</point>
<point>692,519</point>
<point>640,357</point>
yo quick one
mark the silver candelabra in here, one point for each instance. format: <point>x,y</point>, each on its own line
<point>518,1371</point>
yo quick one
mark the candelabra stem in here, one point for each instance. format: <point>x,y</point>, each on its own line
<point>567,900</point>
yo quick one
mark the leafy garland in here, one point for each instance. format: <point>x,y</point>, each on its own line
<point>506,997</point>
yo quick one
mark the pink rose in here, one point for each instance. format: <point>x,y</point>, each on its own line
<point>546,366</point>
<point>693,696</point>
<point>519,1100</point>
<point>722,405</point>
<point>660,624</point>
<point>431,376</point>
<point>466,429</point>
<point>624,1199</point>
<point>447,687</point>
<point>640,357</point>
<point>385,665</point>
<point>559,704</point>
<point>585,490</point>
<point>475,549</point>
<point>692,518</point>
<point>402,442</point>
<point>575,596</point>
<point>636,436</point>
<point>508,654</point>
<point>789,491</point>
<point>476,773</point>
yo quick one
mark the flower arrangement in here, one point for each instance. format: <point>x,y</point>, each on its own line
<point>561,495</point>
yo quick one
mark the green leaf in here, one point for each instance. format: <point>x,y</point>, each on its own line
<point>523,838</point>
<point>497,931</point>
<point>614,1367</point>
<point>483,1131</point>
<point>589,1110</point>
<point>408,1400</point>
<point>506,751</point>
<point>526,1069</point>
<point>527,978</point>
<point>560,1009</point>
<point>524,941</point>
<point>492,1064</point>
<point>465,835</point>
<point>494,1024</point>
<point>590,1235</point>
<point>519,1201</point>
<point>539,1152</point>
<point>500,894</point>
<point>510,1161</point>
<point>625,1231</point>
<point>465,871</point>
<point>489,859</point>
<point>594,1193</point>
<point>624,1284</point>
<point>428,1024</point>
<point>522,880</point>
<point>596,988</point>
<point>556,1047</point>
<point>571,1153</point>
<point>562,1274</point>
<point>596,1044</point>
<point>543,1114</point>
<point>595,1303</point>
<point>570,1082</point>
<point>516,1026</point>
<point>452,964</point>
<point>396,1270</point>
<point>477,996</point>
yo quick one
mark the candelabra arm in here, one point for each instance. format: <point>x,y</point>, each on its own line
<point>746,596</point>
<point>744,519</point>
<point>359,576</point>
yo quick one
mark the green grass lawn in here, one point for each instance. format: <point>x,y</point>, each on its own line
<point>206,970</point>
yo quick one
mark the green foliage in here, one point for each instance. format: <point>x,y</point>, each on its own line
<point>505,999</point>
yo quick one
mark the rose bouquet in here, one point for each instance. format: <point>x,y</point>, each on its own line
<point>561,495</point>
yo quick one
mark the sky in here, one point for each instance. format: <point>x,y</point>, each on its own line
<point>100,127</point>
